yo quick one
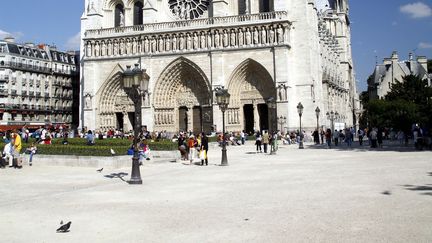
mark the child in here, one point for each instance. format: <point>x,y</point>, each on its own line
<point>32,150</point>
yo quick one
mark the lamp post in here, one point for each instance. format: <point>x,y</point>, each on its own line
<point>281,121</point>
<point>332,116</point>
<point>135,83</point>
<point>222,99</point>
<point>300,112</point>
<point>317,112</point>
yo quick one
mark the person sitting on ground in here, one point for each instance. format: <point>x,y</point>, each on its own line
<point>90,138</point>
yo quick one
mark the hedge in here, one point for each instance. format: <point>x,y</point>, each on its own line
<point>77,146</point>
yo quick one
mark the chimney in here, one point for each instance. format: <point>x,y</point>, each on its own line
<point>9,39</point>
<point>422,60</point>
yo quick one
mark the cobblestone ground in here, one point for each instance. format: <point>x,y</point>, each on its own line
<point>310,195</point>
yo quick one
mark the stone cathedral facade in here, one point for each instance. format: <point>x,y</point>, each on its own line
<point>291,50</point>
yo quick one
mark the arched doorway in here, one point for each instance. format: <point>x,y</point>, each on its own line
<point>115,108</point>
<point>250,86</point>
<point>182,98</point>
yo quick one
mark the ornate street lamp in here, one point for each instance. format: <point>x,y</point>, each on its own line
<point>332,116</point>
<point>317,112</point>
<point>222,99</point>
<point>135,83</point>
<point>300,112</point>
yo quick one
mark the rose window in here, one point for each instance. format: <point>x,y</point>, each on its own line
<point>188,9</point>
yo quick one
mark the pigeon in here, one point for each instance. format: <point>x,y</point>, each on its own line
<point>61,222</point>
<point>112,152</point>
<point>64,228</point>
<point>100,170</point>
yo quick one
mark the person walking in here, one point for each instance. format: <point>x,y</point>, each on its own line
<point>204,147</point>
<point>265,140</point>
<point>32,150</point>
<point>360,136</point>
<point>336,137</point>
<point>17,146</point>
<point>7,152</point>
<point>373,137</point>
<point>191,147</point>
<point>328,136</point>
<point>243,137</point>
<point>258,140</point>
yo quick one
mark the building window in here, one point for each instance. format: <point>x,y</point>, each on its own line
<point>138,13</point>
<point>119,20</point>
<point>242,7</point>
<point>266,6</point>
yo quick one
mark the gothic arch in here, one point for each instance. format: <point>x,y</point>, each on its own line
<point>112,99</point>
<point>179,78</point>
<point>250,81</point>
<point>182,93</point>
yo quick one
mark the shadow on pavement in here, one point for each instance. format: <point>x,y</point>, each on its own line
<point>427,189</point>
<point>387,147</point>
<point>117,175</point>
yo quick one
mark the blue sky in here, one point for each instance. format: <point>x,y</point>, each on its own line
<point>378,27</point>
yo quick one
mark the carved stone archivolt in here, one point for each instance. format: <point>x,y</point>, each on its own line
<point>250,81</point>
<point>188,41</point>
<point>182,84</point>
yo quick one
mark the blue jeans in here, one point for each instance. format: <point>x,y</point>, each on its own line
<point>31,157</point>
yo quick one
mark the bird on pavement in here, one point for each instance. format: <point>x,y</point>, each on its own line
<point>100,170</point>
<point>112,152</point>
<point>64,228</point>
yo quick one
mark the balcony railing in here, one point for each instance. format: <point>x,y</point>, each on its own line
<point>186,24</point>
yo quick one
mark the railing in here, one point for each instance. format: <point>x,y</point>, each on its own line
<point>195,23</point>
<point>26,67</point>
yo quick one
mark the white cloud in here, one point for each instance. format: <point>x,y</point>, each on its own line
<point>394,23</point>
<point>74,42</point>
<point>425,45</point>
<point>4,34</point>
<point>416,10</point>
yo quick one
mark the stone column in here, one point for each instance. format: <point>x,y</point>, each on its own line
<point>190,119</point>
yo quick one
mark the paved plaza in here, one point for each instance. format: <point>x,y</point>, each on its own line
<point>310,195</point>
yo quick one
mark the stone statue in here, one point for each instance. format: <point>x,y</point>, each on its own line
<point>225,38</point>
<point>209,40</point>
<point>161,44</point>
<point>134,46</point>
<point>116,48</point>
<point>189,41</point>
<point>97,49</point>
<point>216,39</point>
<point>248,37</point>
<point>122,47</point>
<point>233,38</point>
<point>88,101</point>
<point>146,45</point>
<point>263,36</point>
<point>122,19</point>
<point>109,51</point>
<point>187,13</point>
<point>203,40</point>
<point>181,42</point>
<point>279,33</point>
<point>104,48</point>
<point>88,49</point>
<point>182,10</point>
<point>153,44</point>
<point>167,43</point>
<point>195,41</point>
<point>255,36</point>
<point>174,42</point>
<point>240,37</point>
<point>128,47</point>
<point>271,35</point>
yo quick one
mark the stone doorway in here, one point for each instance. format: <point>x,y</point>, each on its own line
<point>183,119</point>
<point>120,121</point>
<point>264,117</point>
<point>248,114</point>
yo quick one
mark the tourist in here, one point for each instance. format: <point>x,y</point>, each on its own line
<point>32,150</point>
<point>360,136</point>
<point>373,138</point>
<point>380,137</point>
<point>336,137</point>
<point>258,139</point>
<point>316,136</point>
<point>242,137</point>
<point>265,140</point>
<point>204,147</point>
<point>328,136</point>
<point>17,148</point>
<point>191,146</point>
<point>7,152</point>
<point>90,138</point>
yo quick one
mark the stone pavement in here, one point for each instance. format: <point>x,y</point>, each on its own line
<point>310,195</point>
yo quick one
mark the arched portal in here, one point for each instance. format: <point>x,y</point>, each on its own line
<point>182,98</point>
<point>115,109</point>
<point>250,86</point>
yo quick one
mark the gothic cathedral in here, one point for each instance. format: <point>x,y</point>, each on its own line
<point>289,51</point>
